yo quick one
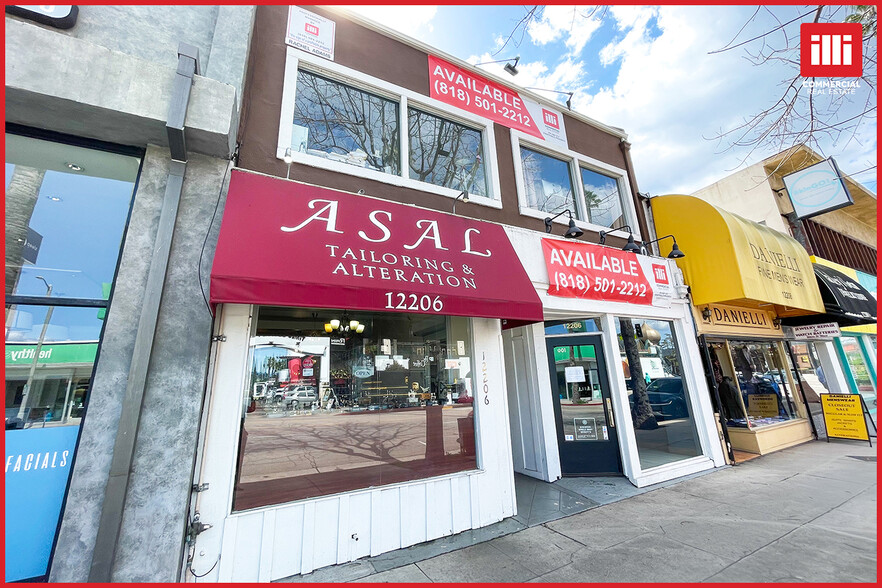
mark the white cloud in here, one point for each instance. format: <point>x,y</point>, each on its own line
<point>566,75</point>
<point>671,95</point>
<point>410,20</point>
<point>574,23</point>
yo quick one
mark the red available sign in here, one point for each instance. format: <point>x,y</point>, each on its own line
<point>480,96</point>
<point>584,270</point>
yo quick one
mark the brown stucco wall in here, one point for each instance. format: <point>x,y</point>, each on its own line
<point>387,59</point>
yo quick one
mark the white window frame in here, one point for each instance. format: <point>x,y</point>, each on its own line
<point>575,161</point>
<point>296,59</point>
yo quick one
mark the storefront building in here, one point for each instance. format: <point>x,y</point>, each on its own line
<point>745,279</point>
<point>103,384</point>
<point>833,216</point>
<point>611,382</point>
<point>379,263</point>
<point>844,336</point>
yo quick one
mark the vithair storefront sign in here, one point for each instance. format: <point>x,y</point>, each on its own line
<point>57,353</point>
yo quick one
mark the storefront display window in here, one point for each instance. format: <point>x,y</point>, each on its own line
<point>66,211</point>
<point>446,153</point>
<point>547,182</point>
<point>603,200</point>
<point>754,383</point>
<point>857,365</point>
<point>808,366</point>
<point>661,410</point>
<point>336,121</point>
<point>342,401</point>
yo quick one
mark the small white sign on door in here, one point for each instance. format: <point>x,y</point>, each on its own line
<point>574,374</point>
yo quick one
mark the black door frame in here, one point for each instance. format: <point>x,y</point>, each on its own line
<point>595,339</point>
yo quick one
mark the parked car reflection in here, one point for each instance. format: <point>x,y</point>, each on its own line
<point>666,397</point>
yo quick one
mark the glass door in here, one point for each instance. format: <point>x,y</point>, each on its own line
<point>583,408</point>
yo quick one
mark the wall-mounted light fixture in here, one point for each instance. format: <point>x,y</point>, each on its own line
<point>630,246</point>
<point>288,159</point>
<point>572,231</point>
<point>511,68</point>
<point>706,313</point>
<point>569,94</point>
<point>675,251</point>
<point>464,196</point>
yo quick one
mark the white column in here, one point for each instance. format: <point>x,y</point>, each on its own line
<point>836,382</point>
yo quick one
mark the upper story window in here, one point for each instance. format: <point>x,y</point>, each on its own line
<point>551,181</point>
<point>339,122</point>
<point>445,153</point>
<point>603,199</point>
<point>547,183</point>
<point>342,120</point>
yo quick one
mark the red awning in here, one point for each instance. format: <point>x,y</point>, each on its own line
<point>289,244</point>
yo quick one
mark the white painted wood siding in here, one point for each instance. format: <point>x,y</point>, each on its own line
<point>275,542</point>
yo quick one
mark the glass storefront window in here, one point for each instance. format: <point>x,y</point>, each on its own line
<point>569,327</point>
<point>48,388</point>
<point>658,394</point>
<point>547,182</point>
<point>603,201</point>
<point>808,367</point>
<point>857,364</point>
<point>338,122</point>
<point>333,412</point>
<point>445,153</point>
<point>753,383</point>
<point>66,210</point>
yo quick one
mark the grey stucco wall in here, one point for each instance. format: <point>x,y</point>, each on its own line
<point>148,31</point>
<point>110,78</point>
<point>150,546</point>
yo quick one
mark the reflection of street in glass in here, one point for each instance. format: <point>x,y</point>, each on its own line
<point>334,451</point>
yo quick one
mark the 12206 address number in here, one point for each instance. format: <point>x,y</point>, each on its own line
<point>424,303</point>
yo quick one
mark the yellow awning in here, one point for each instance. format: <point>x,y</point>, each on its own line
<point>736,261</point>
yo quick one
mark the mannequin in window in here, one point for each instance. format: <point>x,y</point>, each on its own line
<point>731,407</point>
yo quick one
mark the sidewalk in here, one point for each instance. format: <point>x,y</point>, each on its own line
<point>804,514</point>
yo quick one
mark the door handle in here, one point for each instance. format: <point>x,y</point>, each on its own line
<point>612,422</point>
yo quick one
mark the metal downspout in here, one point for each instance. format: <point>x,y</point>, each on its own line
<point>110,524</point>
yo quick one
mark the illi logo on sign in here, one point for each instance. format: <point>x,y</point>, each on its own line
<point>660,273</point>
<point>550,119</point>
<point>831,50</point>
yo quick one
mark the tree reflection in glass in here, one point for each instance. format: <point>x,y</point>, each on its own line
<point>342,123</point>
<point>547,183</point>
<point>445,153</point>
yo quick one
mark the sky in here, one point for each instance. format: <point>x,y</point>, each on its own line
<point>655,72</point>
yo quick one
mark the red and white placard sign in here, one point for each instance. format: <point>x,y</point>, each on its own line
<point>594,272</point>
<point>455,86</point>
